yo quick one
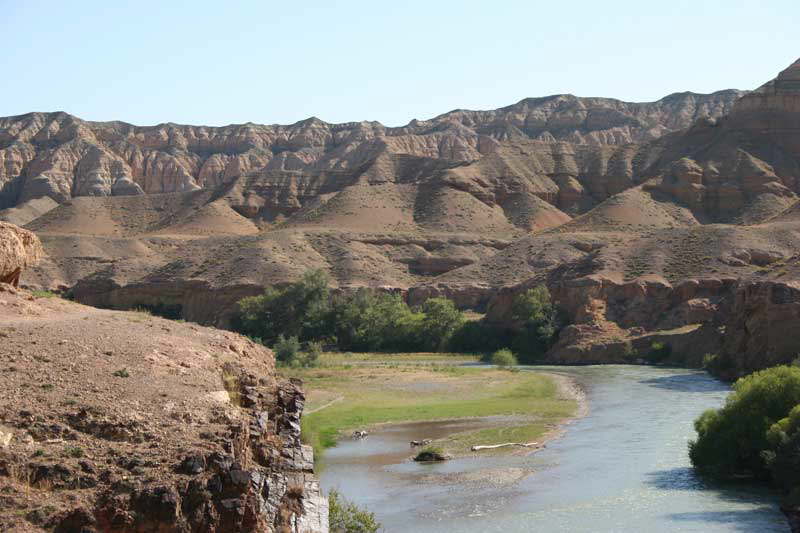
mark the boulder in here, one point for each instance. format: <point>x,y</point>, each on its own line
<point>19,249</point>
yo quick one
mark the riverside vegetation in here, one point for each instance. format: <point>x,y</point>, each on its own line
<point>412,374</point>
<point>756,434</point>
<point>307,312</point>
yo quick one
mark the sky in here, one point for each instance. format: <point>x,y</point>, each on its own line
<point>217,63</point>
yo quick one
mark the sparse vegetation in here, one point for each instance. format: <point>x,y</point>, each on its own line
<point>74,452</point>
<point>44,294</point>
<point>288,352</point>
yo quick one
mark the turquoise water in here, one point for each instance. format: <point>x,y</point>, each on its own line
<point>623,467</point>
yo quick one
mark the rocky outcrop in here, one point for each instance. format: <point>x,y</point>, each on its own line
<point>143,424</point>
<point>724,168</point>
<point>757,321</point>
<point>19,249</point>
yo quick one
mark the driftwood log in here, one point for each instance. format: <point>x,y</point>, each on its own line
<point>493,446</point>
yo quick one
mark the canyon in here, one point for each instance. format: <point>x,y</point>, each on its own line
<point>671,221</point>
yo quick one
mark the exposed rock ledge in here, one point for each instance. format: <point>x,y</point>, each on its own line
<point>120,421</point>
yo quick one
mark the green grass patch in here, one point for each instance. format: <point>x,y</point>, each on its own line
<point>44,294</point>
<point>367,395</point>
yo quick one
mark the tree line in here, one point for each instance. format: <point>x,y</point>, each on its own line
<point>307,313</point>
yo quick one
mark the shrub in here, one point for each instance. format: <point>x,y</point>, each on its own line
<point>659,351</point>
<point>739,438</point>
<point>43,294</point>
<point>533,305</point>
<point>310,356</point>
<point>430,453</point>
<point>346,517</point>
<point>286,349</point>
<point>504,358</point>
<point>374,321</point>
<point>73,451</point>
<point>121,373</point>
<point>366,320</point>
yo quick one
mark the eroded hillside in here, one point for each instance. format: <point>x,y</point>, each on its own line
<point>641,218</point>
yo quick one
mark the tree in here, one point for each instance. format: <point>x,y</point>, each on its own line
<point>537,317</point>
<point>441,320</point>
<point>371,321</point>
<point>783,456</point>
<point>300,309</point>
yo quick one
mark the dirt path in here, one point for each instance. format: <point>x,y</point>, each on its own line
<point>321,407</point>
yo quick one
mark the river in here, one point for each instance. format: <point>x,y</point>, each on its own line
<point>623,467</point>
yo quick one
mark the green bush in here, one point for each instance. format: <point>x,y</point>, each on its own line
<point>310,356</point>
<point>346,517</point>
<point>741,438</point>
<point>504,358</point>
<point>375,321</point>
<point>286,349</point>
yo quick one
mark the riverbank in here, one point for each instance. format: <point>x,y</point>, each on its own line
<point>621,464</point>
<point>362,391</point>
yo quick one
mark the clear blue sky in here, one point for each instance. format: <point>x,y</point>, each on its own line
<point>215,63</point>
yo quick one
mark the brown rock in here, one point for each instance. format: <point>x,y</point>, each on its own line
<point>19,249</point>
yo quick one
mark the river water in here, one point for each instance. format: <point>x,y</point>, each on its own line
<point>623,467</point>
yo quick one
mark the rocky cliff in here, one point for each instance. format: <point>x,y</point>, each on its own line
<point>119,421</point>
